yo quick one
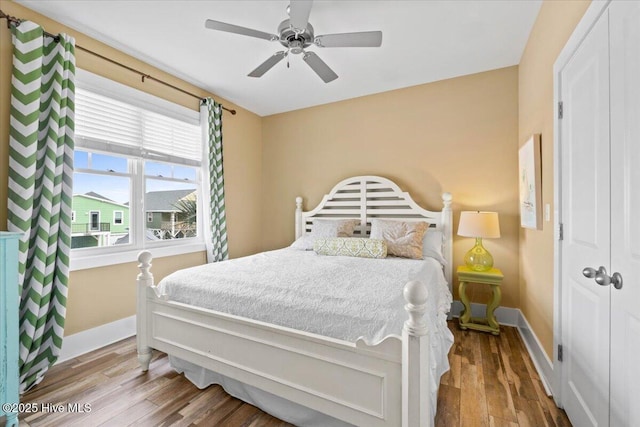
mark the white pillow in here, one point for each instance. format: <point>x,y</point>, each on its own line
<point>404,239</point>
<point>432,246</point>
<point>323,229</point>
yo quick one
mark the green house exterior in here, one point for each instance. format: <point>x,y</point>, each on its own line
<point>97,221</point>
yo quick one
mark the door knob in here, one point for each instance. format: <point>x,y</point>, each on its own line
<point>616,279</point>
<point>591,273</point>
<point>602,278</point>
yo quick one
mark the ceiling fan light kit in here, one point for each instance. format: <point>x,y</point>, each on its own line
<point>296,34</point>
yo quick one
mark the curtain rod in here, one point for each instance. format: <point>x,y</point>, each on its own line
<point>144,76</point>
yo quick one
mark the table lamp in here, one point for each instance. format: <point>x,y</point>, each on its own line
<point>479,225</point>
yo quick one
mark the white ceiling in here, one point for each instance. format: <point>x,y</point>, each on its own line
<point>423,41</point>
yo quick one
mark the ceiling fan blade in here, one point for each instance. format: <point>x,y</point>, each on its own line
<point>268,64</point>
<point>319,66</point>
<point>236,29</point>
<point>299,11</point>
<point>363,39</point>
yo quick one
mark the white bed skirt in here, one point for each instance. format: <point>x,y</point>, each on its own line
<point>277,406</point>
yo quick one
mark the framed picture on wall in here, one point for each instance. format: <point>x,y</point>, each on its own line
<point>530,177</point>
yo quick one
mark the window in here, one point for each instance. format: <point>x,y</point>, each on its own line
<point>73,216</point>
<point>101,188</point>
<point>171,201</point>
<point>117,217</point>
<point>137,163</point>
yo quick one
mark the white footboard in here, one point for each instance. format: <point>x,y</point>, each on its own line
<point>380,385</point>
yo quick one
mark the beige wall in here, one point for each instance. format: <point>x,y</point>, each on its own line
<point>456,135</point>
<point>459,135</point>
<point>555,23</point>
<point>103,295</point>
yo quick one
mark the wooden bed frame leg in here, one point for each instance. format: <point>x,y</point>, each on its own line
<point>416,409</point>
<point>144,281</point>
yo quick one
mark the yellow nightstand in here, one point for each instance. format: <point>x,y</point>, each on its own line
<point>492,278</point>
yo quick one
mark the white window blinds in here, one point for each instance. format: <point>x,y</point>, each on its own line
<point>111,125</point>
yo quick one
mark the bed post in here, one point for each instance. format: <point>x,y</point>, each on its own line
<point>447,231</point>
<point>416,409</point>
<point>144,281</point>
<point>299,229</point>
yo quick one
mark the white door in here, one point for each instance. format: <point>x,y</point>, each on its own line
<point>625,211</point>
<point>585,207</point>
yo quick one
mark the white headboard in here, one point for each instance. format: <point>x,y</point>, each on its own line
<point>366,197</point>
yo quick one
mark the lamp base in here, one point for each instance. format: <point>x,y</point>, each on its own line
<point>478,258</point>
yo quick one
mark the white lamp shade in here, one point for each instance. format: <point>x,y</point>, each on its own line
<point>479,224</point>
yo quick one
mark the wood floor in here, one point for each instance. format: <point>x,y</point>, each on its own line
<point>492,382</point>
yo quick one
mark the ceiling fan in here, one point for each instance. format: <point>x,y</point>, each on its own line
<point>296,34</point>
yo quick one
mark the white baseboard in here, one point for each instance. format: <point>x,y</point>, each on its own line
<point>539,357</point>
<point>95,338</point>
<point>513,317</point>
<point>504,315</point>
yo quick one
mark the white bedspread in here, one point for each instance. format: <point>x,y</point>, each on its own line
<point>340,297</point>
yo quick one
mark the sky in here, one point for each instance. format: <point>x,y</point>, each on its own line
<point>117,188</point>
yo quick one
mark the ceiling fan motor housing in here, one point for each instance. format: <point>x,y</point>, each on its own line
<point>294,40</point>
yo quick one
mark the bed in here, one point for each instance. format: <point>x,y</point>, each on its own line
<point>275,351</point>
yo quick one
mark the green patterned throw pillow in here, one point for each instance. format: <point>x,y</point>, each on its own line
<point>351,246</point>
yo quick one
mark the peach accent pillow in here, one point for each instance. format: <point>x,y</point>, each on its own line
<point>404,239</point>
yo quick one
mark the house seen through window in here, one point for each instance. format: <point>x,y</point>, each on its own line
<point>102,194</point>
<point>136,176</point>
<point>170,201</point>
<point>101,187</point>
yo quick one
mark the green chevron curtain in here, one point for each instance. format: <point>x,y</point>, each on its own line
<point>40,179</point>
<point>217,249</point>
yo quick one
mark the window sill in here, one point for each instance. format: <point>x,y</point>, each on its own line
<point>103,260</point>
